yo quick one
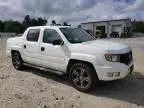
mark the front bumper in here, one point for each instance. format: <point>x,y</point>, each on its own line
<point>113,71</point>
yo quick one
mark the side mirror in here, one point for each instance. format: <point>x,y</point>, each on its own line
<point>57,42</point>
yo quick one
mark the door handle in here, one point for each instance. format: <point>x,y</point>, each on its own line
<point>42,49</point>
<point>24,46</point>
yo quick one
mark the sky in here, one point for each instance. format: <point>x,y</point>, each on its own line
<point>72,11</point>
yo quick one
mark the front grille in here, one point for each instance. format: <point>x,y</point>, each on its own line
<point>126,58</point>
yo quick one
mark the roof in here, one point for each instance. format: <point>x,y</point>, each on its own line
<point>105,21</point>
<point>53,27</point>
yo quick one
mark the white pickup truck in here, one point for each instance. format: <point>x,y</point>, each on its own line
<point>71,51</point>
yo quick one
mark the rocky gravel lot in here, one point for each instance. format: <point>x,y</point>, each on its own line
<point>33,88</point>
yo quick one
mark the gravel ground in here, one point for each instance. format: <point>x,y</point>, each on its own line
<point>33,88</point>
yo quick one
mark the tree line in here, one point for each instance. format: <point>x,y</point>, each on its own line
<point>20,27</point>
<point>138,26</point>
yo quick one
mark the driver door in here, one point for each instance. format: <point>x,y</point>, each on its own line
<point>52,56</point>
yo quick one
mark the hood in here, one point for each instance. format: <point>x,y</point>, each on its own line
<point>103,46</point>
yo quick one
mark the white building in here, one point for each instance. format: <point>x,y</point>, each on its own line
<point>109,26</point>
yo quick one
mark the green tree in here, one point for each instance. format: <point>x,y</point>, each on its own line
<point>33,22</point>
<point>138,26</point>
<point>27,21</point>
<point>13,26</point>
<point>53,22</point>
<point>41,22</point>
<point>18,27</point>
<point>65,24</point>
<point>2,26</point>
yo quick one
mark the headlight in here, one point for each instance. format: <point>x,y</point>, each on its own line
<point>112,57</point>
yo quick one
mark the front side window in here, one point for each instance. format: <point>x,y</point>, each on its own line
<point>76,35</point>
<point>50,35</point>
<point>33,35</point>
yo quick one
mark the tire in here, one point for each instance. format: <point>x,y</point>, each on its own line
<point>83,77</point>
<point>17,61</point>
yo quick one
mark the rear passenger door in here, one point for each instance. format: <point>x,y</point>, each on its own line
<point>31,47</point>
<point>52,56</point>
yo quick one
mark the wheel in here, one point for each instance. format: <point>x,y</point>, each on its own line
<point>83,77</point>
<point>17,61</point>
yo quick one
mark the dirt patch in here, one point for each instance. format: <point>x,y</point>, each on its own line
<point>33,88</point>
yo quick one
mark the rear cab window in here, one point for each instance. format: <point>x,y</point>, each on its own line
<point>33,35</point>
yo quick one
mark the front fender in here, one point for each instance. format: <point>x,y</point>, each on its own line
<point>86,57</point>
<point>16,48</point>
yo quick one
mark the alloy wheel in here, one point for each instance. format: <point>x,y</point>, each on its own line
<point>81,78</point>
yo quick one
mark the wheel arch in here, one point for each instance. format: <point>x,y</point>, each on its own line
<point>73,61</point>
<point>14,51</point>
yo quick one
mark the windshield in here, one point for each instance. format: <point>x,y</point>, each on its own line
<point>76,35</point>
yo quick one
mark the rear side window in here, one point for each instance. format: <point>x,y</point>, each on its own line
<point>33,35</point>
<point>50,35</point>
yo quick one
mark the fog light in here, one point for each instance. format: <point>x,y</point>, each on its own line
<point>110,74</point>
<point>117,74</point>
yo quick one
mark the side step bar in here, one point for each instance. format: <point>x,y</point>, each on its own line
<point>45,69</point>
